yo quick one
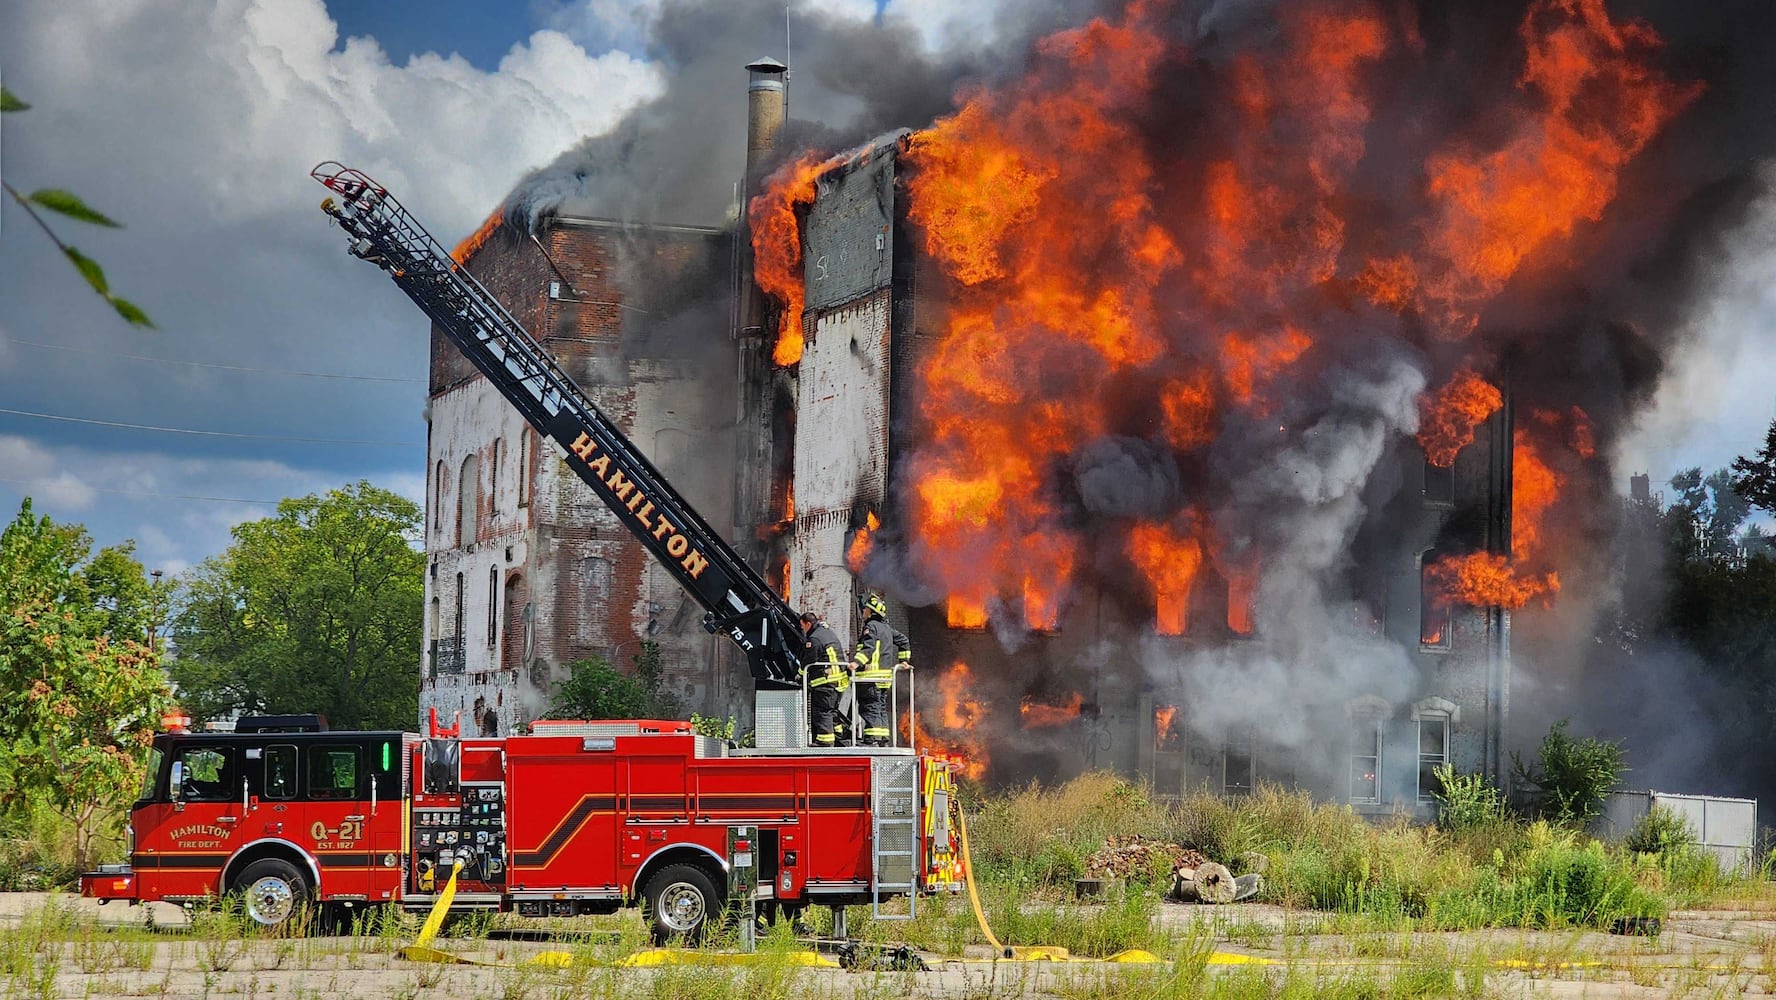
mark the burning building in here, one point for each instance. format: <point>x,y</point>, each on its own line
<point>1204,397</point>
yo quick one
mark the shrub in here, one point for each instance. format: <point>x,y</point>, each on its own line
<point>1573,776</point>
<point>1466,801</point>
<point>1660,830</point>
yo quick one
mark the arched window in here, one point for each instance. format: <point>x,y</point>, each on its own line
<point>1435,718</point>
<point>512,651</point>
<point>468,500</point>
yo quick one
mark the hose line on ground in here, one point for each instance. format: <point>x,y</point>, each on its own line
<point>980,916</point>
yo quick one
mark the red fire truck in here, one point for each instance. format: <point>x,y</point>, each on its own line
<point>576,817</point>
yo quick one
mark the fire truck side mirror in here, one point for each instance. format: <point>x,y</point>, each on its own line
<point>176,779</point>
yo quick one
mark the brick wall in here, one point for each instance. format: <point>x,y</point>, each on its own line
<point>549,567</point>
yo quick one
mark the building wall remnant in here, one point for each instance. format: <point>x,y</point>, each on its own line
<point>623,310</point>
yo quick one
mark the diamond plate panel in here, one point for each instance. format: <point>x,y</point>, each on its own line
<point>780,720</point>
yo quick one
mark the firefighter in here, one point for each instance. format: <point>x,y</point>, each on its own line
<point>827,678</point>
<point>874,673</point>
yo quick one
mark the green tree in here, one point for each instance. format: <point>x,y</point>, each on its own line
<point>1572,776</point>
<point>593,689</point>
<point>85,691</point>
<point>1705,517</point>
<point>1755,478</point>
<point>69,204</point>
<point>316,609</point>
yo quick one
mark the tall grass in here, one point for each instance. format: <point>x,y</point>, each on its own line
<point>1487,870</point>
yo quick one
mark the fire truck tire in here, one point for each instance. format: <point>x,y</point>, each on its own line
<point>272,891</point>
<point>680,901</point>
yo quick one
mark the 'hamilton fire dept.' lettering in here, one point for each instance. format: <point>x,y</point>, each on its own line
<point>639,506</point>
<point>214,834</point>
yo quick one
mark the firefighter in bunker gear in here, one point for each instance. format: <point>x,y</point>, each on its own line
<point>827,678</point>
<point>874,673</point>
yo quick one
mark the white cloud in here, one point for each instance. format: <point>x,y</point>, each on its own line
<point>26,467</point>
<point>196,125</point>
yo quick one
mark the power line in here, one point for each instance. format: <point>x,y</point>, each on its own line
<point>228,434</point>
<point>49,485</point>
<point>206,364</point>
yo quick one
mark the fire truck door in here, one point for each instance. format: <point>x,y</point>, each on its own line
<point>386,827</point>
<point>336,822</point>
<point>186,835</point>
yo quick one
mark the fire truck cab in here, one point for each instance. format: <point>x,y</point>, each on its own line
<point>578,817</point>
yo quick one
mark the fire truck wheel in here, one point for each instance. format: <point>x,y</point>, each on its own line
<point>680,901</point>
<point>272,891</point>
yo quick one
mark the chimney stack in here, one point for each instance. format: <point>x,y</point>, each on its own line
<point>766,106</point>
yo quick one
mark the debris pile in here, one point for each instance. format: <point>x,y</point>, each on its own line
<point>1135,855</point>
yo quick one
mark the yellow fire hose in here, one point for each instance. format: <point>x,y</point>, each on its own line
<point>980,916</point>
<point>1045,953</point>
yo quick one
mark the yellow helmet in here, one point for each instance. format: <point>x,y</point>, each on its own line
<point>873,604</point>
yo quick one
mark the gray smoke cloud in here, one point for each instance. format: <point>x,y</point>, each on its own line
<point>1126,477</point>
<point>679,157</point>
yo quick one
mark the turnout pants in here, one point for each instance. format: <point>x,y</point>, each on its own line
<point>872,705</point>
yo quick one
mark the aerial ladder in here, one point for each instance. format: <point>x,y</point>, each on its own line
<point>736,601</point>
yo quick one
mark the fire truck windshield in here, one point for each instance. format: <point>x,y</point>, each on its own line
<point>150,776</point>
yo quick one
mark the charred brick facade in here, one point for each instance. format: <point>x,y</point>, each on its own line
<point>527,571</point>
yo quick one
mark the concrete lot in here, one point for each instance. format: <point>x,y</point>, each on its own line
<point>103,951</point>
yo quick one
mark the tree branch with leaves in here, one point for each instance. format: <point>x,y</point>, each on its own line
<point>69,204</point>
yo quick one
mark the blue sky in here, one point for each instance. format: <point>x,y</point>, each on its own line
<point>481,31</point>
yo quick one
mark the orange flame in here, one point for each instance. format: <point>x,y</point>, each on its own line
<point>1036,715</point>
<point>1484,579</point>
<point>955,722</point>
<point>1169,560</point>
<point>780,577</point>
<point>1242,591</point>
<point>964,612</point>
<point>777,248</point>
<point>1554,168</point>
<point>1087,269</point>
<point>474,240</point>
<point>1448,417</point>
<point>862,543</point>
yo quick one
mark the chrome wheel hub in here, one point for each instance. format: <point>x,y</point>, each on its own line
<point>270,900</point>
<point>681,907</point>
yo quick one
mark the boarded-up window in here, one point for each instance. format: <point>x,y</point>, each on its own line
<point>468,499</point>
<point>595,584</point>
<point>512,651</point>
<point>524,467</point>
